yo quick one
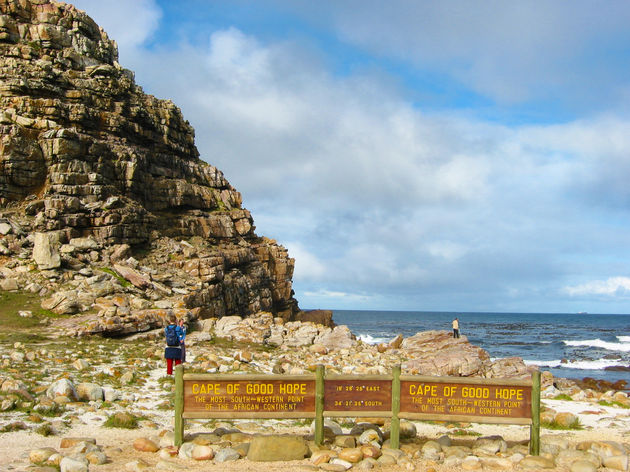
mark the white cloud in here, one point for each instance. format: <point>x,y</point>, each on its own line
<point>307,265</point>
<point>129,23</point>
<point>377,196</point>
<point>612,286</point>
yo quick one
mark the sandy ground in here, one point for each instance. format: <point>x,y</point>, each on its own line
<point>600,423</point>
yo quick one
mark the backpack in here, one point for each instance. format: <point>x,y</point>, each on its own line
<point>172,339</point>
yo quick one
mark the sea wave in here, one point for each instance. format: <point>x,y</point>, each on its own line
<point>624,339</point>
<point>610,346</point>
<point>366,338</point>
<point>599,364</point>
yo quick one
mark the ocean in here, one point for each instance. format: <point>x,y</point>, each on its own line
<point>569,345</point>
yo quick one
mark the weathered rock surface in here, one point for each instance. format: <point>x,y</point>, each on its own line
<point>93,170</point>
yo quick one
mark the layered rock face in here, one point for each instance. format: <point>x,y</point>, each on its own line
<point>85,153</point>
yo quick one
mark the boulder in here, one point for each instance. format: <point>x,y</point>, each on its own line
<point>277,448</point>
<point>46,250</point>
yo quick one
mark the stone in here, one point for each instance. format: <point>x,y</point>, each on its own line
<point>9,285</point>
<point>227,454</point>
<point>202,453</point>
<point>369,450</point>
<point>619,462</point>
<point>489,445</point>
<point>386,459</point>
<point>471,463</point>
<point>96,457</point>
<point>41,455</point>
<point>89,392</point>
<point>346,441</point>
<point>69,464</point>
<point>352,455</point>
<point>46,250</point>
<point>137,465</point>
<point>5,228</point>
<point>62,387</point>
<point>536,462</point>
<point>277,448</point>
<point>340,462</point>
<point>607,448</point>
<point>145,445</point>
<point>565,419</point>
<point>185,450</point>
<point>497,463</point>
<point>582,466</point>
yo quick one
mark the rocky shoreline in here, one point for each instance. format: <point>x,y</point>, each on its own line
<point>53,389</point>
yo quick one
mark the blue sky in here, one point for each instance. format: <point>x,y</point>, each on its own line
<point>452,155</point>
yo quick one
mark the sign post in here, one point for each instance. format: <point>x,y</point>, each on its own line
<point>534,433</point>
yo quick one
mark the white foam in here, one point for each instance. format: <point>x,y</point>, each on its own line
<point>599,364</point>
<point>624,339</point>
<point>366,338</point>
<point>610,346</point>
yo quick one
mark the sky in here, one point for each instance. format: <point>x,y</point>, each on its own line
<point>429,156</point>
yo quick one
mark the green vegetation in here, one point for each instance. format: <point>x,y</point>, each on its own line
<point>464,432</point>
<point>45,429</point>
<point>613,403</point>
<point>122,420</point>
<point>19,328</point>
<point>563,396</point>
<point>123,281</point>
<point>574,425</point>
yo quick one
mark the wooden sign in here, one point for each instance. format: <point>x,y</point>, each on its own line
<point>463,400</point>
<point>230,396</point>
<point>313,396</point>
<point>358,395</point>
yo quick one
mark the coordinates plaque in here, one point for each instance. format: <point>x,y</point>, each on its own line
<point>357,395</point>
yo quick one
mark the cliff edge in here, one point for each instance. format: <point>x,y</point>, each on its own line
<point>101,183</point>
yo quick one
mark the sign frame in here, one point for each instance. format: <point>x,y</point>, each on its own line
<point>394,412</point>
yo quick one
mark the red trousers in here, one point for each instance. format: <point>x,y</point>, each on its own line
<point>169,365</point>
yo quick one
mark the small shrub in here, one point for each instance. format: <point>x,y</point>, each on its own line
<point>122,420</point>
<point>464,432</point>
<point>613,403</point>
<point>575,425</point>
<point>45,429</point>
<point>563,396</point>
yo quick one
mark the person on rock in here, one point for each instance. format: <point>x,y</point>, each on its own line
<point>173,352</point>
<point>182,340</point>
<point>455,328</point>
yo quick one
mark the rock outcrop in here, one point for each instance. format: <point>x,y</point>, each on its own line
<point>96,171</point>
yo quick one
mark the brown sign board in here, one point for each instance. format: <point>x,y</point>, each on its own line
<point>469,401</point>
<point>248,397</point>
<point>358,395</point>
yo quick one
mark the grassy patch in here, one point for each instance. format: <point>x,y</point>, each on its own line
<point>563,396</point>
<point>123,281</point>
<point>122,420</point>
<point>613,403</point>
<point>574,425</point>
<point>18,328</point>
<point>45,429</point>
<point>464,432</point>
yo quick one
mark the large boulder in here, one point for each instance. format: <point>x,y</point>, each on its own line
<point>46,250</point>
<point>277,448</point>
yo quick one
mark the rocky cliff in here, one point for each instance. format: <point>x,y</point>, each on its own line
<point>103,192</point>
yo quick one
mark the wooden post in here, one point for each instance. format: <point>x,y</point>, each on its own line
<point>394,437</point>
<point>319,405</point>
<point>179,405</point>
<point>534,433</point>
